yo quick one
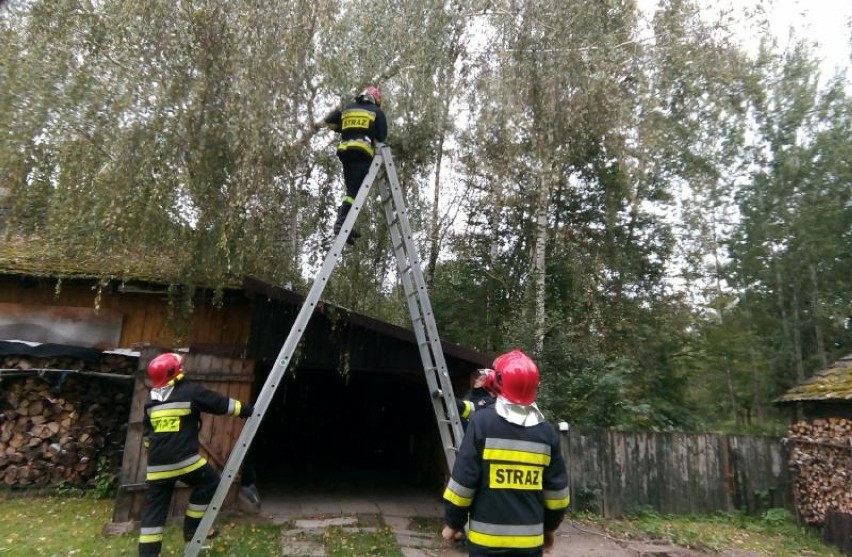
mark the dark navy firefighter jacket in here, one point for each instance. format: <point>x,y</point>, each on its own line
<point>511,482</point>
<point>171,428</point>
<point>361,126</point>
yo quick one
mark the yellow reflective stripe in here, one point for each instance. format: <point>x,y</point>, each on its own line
<point>508,455</point>
<point>177,471</point>
<point>194,514</point>
<point>150,538</point>
<point>360,113</point>
<point>170,413</point>
<point>349,199</point>
<point>557,504</point>
<point>457,499</point>
<point>468,408</point>
<point>516,542</point>
<point>237,407</point>
<point>356,144</point>
<point>557,499</point>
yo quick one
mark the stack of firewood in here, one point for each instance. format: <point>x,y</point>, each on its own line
<point>57,428</point>
<point>821,463</point>
<point>109,363</point>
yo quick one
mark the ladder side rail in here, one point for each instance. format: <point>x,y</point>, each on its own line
<point>417,273</point>
<point>413,304</point>
<point>441,405</point>
<point>278,370</point>
<point>402,237</point>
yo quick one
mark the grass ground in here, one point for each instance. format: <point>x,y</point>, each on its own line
<point>72,526</point>
<point>774,533</point>
<point>59,526</point>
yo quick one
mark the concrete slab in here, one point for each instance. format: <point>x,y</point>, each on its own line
<point>321,508</point>
<point>313,524</point>
<point>421,552</point>
<point>395,508</point>
<point>359,506</point>
<point>417,539</point>
<point>414,552</point>
<point>301,548</point>
<point>397,522</point>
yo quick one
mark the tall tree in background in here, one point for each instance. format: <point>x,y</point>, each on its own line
<point>633,199</point>
<point>789,253</point>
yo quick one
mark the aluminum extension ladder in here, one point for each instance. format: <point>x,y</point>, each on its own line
<point>423,321</point>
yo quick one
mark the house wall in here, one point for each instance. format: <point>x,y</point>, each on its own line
<point>145,316</point>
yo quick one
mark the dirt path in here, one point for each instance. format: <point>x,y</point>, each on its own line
<point>574,540</point>
<point>405,513</point>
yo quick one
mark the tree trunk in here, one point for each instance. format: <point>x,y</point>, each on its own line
<point>797,335</point>
<point>820,345</point>
<point>539,263</point>
<point>785,325</point>
<point>434,224</point>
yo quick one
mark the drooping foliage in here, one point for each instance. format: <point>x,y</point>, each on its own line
<point>658,215</point>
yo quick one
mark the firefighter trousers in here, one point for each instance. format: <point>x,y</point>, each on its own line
<point>356,166</point>
<point>203,482</point>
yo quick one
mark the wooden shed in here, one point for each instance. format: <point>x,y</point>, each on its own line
<point>821,450</point>
<point>353,407</point>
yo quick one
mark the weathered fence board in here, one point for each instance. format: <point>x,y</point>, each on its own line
<point>616,473</point>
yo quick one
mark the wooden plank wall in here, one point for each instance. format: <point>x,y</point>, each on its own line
<point>616,473</point>
<point>145,316</point>
<point>229,376</point>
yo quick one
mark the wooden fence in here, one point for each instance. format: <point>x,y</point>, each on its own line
<point>614,473</point>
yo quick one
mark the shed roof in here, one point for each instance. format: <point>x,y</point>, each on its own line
<point>253,284</point>
<point>29,257</point>
<point>833,384</point>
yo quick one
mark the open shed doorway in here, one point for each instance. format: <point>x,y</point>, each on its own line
<point>366,432</point>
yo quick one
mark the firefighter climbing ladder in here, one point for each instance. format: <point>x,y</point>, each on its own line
<point>423,321</point>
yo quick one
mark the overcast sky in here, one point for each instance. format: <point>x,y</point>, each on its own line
<point>823,21</point>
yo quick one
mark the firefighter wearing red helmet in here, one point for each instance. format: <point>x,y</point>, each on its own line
<point>482,395</point>
<point>362,126</point>
<point>509,479</point>
<point>171,425</point>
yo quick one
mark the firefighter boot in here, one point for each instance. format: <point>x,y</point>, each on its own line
<point>342,211</point>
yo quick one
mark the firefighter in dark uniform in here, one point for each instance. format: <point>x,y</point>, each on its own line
<point>482,395</point>
<point>171,425</point>
<point>362,125</point>
<point>509,478</point>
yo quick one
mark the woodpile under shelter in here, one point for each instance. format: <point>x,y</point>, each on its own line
<point>820,447</point>
<point>354,405</point>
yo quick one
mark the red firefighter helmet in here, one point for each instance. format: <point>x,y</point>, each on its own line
<point>517,377</point>
<point>372,93</point>
<point>487,381</point>
<point>163,369</point>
